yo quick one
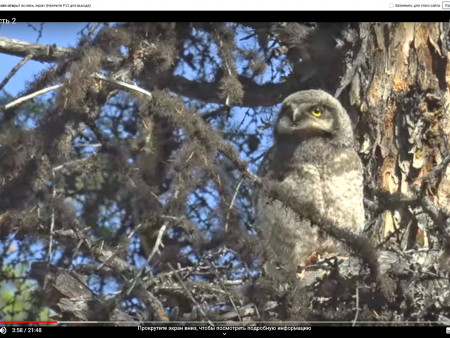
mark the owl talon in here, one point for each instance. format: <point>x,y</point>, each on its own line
<point>301,275</point>
<point>343,258</point>
<point>313,259</point>
<point>318,260</point>
<point>332,260</point>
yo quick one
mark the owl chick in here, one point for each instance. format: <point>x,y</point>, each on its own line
<point>313,157</point>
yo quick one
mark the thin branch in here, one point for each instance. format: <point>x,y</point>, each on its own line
<point>103,254</point>
<point>93,145</point>
<point>223,287</point>
<point>49,89</point>
<point>247,310</point>
<point>108,259</point>
<point>434,176</point>
<point>189,294</point>
<point>219,111</point>
<point>135,229</point>
<point>15,70</point>
<point>59,167</point>
<point>132,87</point>
<point>158,241</point>
<point>231,204</point>
<point>357,307</point>
<point>25,98</point>
<point>52,219</point>
<point>46,53</point>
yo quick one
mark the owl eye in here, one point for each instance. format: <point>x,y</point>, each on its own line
<point>317,112</point>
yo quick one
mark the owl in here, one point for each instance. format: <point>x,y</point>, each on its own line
<point>313,157</point>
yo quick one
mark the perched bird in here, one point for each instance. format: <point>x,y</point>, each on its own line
<point>313,157</point>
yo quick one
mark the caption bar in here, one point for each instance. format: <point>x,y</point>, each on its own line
<point>224,328</point>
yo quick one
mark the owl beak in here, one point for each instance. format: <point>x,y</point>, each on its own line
<point>296,115</point>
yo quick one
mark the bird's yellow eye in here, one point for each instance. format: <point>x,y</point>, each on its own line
<point>317,111</point>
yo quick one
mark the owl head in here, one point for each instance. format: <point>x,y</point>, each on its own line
<point>313,113</point>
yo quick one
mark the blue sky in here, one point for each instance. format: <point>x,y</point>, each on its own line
<point>66,35</point>
<point>63,34</point>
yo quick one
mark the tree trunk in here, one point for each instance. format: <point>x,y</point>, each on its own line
<point>401,90</point>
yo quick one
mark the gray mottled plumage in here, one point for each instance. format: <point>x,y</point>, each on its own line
<point>313,156</point>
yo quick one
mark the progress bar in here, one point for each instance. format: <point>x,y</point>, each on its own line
<point>28,322</point>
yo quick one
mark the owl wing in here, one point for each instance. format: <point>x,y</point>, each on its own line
<point>290,237</point>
